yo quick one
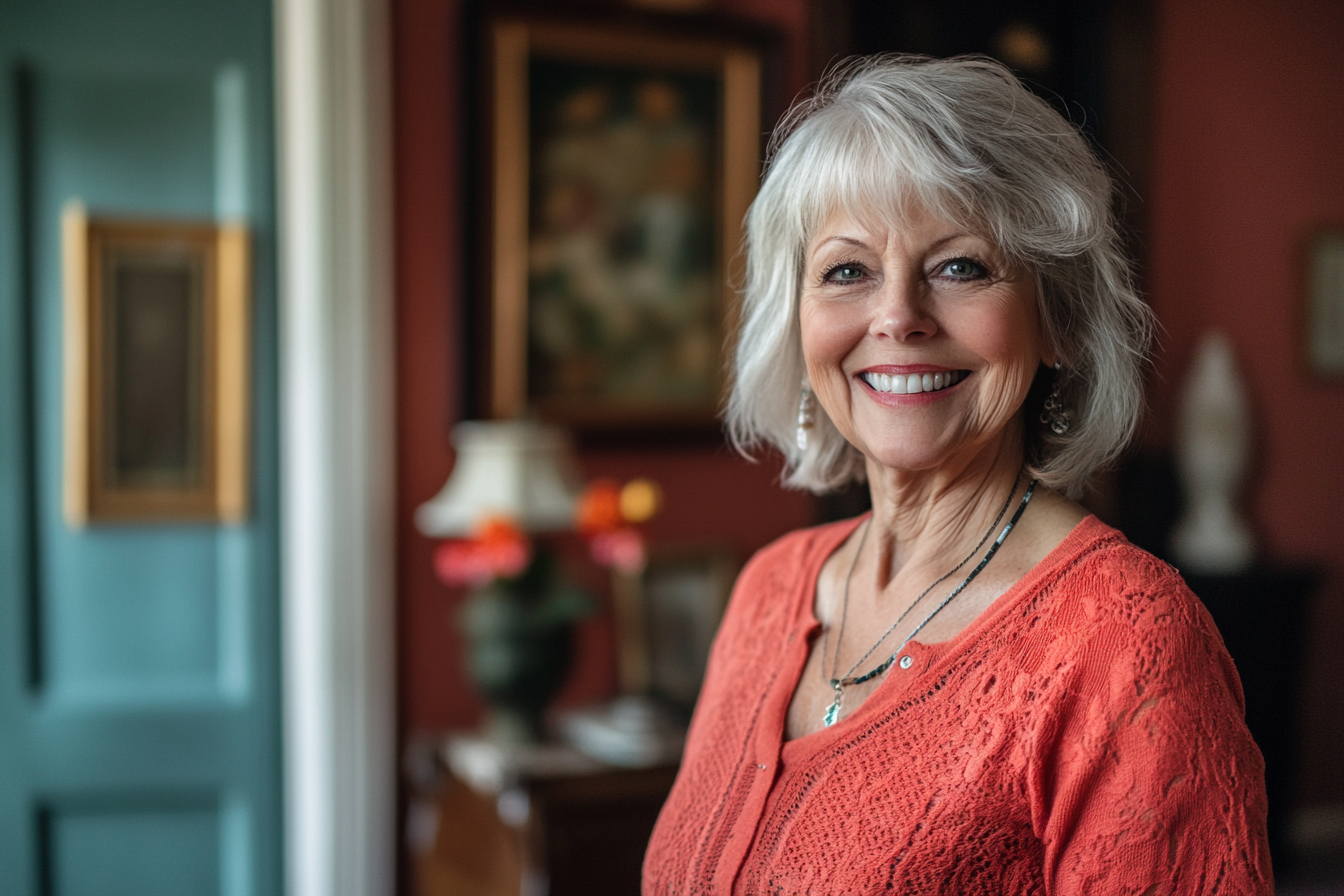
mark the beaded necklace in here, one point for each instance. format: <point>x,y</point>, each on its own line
<point>838,683</point>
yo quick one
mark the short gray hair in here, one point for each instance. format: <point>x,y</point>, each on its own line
<point>964,140</point>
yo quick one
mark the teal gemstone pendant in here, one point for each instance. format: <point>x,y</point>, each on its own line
<point>833,712</point>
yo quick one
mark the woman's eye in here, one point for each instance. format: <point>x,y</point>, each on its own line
<point>843,273</point>
<point>963,269</point>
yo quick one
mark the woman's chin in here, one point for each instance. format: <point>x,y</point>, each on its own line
<point>908,453</point>
<point>907,460</point>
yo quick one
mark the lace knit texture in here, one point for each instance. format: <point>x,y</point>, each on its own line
<point>1085,735</point>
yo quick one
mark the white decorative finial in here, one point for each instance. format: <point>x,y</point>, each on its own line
<point>1213,447</point>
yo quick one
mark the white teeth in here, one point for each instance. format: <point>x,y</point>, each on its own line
<point>912,384</point>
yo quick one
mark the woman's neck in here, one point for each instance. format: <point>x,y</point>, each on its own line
<point>933,518</point>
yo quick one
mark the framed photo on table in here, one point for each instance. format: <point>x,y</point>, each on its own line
<point>156,375</point>
<point>666,619</point>
<point>1324,313</point>
<point>622,164</point>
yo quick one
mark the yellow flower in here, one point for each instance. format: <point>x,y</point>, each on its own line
<point>640,499</point>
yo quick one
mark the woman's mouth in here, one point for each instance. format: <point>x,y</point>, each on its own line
<point>912,383</point>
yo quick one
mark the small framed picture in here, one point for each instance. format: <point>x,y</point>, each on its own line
<point>666,619</point>
<point>1324,336</point>
<point>156,370</point>
<point>623,162</point>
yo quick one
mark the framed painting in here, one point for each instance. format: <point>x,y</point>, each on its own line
<point>1324,318</point>
<point>623,163</point>
<point>666,618</point>
<point>156,372</point>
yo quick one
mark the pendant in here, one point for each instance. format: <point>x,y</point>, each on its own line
<point>834,711</point>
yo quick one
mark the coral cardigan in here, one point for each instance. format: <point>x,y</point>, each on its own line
<point>1084,735</point>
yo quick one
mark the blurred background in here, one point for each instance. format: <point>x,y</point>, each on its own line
<point>264,699</point>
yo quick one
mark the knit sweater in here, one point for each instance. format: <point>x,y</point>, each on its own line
<point>1084,735</point>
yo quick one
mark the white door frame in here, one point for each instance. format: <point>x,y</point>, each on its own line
<point>333,99</point>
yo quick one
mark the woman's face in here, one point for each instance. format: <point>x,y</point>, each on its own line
<point>920,343</point>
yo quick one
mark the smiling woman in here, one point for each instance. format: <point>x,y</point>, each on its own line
<point>914,701</point>
<point>882,311</point>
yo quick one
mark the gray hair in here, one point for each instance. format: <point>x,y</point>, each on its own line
<point>964,140</point>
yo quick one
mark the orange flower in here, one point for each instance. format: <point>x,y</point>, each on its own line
<point>498,531</point>
<point>504,547</point>
<point>598,509</point>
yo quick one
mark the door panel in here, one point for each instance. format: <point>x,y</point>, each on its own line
<point>139,673</point>
<point>98,850</point>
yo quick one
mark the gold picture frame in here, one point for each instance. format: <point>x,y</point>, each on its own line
<point>156,377</point>
<point>623,162</point>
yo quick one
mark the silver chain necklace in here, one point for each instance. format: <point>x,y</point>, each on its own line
<point>838,683</point>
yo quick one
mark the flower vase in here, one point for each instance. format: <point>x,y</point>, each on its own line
<point>520,647</point>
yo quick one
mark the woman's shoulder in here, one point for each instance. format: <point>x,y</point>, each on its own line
<point>1107,577</point>
<point>786,568</point>
<point>812,544</point>
<point>1142,727</point>
<point>1117,615</point>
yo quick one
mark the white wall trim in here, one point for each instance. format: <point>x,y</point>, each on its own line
<point>333,86</point>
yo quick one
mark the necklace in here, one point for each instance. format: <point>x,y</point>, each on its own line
<point>844,611</point>
<point>838,683</point>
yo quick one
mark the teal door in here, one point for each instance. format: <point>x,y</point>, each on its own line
<point>139,675</point>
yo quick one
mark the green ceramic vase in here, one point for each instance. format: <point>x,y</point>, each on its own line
<point>520,647</point>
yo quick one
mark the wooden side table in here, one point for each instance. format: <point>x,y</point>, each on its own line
<point>538,821</point>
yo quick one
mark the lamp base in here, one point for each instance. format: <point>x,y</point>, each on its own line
<point>520,647</point>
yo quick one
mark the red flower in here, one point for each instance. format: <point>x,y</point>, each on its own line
<point>457,562</point>
<point>622,549</point>
<point>497,549</point>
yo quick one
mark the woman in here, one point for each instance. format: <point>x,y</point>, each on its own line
<point>978,688</point>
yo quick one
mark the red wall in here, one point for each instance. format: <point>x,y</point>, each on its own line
<point>712,496</point>
<point>1249,156</point>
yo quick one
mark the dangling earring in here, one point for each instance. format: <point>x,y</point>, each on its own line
<point>805,418</point>
<point>1055,415</point>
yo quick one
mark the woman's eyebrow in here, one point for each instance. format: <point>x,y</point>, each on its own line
<point>841,238</point>
<point>952,237</point>
<point>859,243</point>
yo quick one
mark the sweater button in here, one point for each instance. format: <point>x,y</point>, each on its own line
<point>907,661</point>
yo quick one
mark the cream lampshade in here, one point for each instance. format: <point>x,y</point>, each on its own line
<point>518,469</point>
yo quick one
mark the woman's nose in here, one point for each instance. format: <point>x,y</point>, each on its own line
<point>901,313</point>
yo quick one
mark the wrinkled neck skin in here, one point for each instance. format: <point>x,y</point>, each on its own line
<point>931,519</point>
